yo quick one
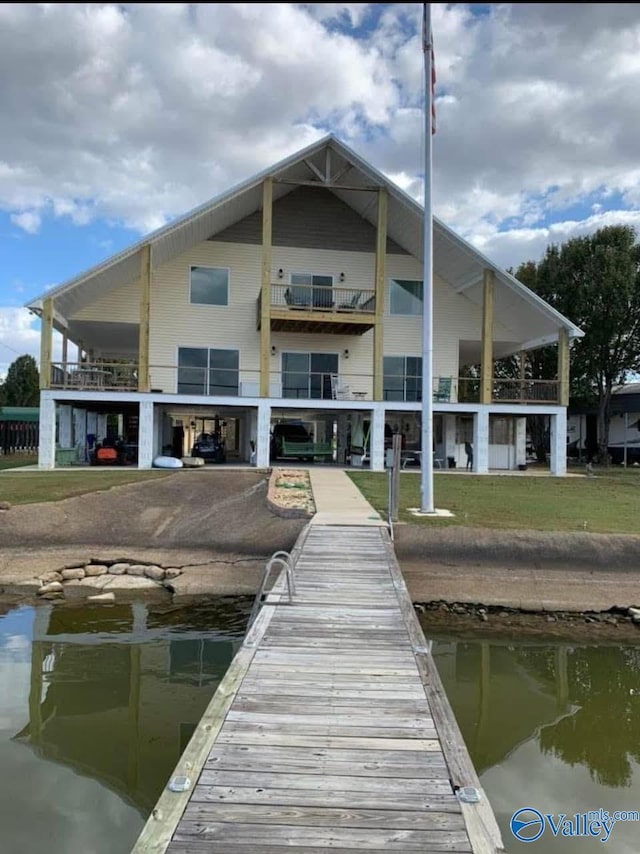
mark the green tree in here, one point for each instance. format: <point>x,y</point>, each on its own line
<point>595,281</point>
<point>22,384</point>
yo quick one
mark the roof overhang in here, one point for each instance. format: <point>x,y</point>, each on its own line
<point>327,163</point>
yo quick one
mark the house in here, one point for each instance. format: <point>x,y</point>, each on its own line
<point>624,428</point>
<point>297,296</point>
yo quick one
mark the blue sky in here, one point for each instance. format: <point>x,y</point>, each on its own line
<point>117,118</point>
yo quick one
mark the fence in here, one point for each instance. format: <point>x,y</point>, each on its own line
<point>18,437</point>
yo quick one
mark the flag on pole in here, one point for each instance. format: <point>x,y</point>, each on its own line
<point>427,47</point>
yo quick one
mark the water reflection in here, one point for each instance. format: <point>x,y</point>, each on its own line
<point>554,726</point>
<point>106,699</point>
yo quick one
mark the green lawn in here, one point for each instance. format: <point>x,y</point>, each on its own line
<point>609,502</point>
<point>32,487</point>
<point>12,461</point>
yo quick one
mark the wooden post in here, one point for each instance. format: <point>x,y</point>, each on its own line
<point>46,334</point>
<point>563,367</point>
<point>265,303</point>
<point>145,306</point>
<point>486,364</point>
<point>395,476</point>
<point>378,329</point>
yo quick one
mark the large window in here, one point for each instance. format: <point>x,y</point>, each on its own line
<point>209,286</point>
<point>312,290</point>
<point>402,378</point>
<point>204,371</point>
<point>405,297</point>
<point>308,375</point>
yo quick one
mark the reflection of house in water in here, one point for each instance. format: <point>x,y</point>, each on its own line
<point>503,696</point>
<point>115,694</point>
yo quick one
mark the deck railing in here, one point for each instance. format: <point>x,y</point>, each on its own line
<point>243,382</point>
<point>325,298</point>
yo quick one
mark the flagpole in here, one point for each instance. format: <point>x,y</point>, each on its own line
<point>426,483</point>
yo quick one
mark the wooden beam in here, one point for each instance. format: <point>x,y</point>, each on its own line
<point>46,339</point>
<point>378,329</point>
<point>563,367</point>
<point>265,304</point>
<point>369,188</point>
<point>145,309</point>
<point>486,363</point>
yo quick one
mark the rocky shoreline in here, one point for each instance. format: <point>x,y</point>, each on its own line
<point>617,624</point>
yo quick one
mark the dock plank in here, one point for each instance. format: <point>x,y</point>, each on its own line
<point>333,733</point>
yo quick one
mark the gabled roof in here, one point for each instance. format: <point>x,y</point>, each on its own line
<point>455,260</point>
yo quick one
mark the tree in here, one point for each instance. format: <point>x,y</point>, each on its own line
<point>22,384</point>
<point>595,281</point>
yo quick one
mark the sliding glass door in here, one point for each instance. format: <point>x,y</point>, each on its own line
<point>308,375</point>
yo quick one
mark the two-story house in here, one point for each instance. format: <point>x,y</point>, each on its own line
<point>297,295</point>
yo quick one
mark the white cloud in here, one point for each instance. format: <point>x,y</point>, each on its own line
<point>134,113</point>
<point>20,335</point>
<point>29,221</point>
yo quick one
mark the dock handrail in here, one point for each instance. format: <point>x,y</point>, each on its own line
<point>286,562</point>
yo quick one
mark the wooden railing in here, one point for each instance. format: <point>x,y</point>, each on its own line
<point>510,390</point>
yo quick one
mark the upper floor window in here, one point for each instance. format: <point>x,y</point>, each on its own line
<point>405,297</point>
<point>209,286</point>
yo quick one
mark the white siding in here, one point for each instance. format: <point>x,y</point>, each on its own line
<point>121,305</point>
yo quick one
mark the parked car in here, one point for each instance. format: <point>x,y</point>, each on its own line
<point>290,432</point>
<point>210,448</point>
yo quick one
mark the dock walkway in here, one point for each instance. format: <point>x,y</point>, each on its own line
<point>330,731</point>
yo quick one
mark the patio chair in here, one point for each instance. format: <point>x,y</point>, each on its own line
<point>339,389</point>
<point>443,392</point>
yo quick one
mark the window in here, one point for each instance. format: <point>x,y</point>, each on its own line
<point>308,375</point>
<point>209,286</point>
<point>405,297</point>
<point>313,290</point>
<point>203,371</point>
<point>402,378</point>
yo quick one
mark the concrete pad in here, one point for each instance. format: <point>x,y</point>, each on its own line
<point>437,513</point>
<point>339,501</point>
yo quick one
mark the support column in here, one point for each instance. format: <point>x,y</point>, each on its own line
<point>376,440</point>
<point>252,427</point>
<point>378,329</point>
<point>145,435</point>
<point>65,348</point>
<point>481,442</point>
<point>558,443</point>
<point>65,426</point>
<point>46,340</point>
<point>263,437</point>
<point>449,431</point>
<point>80,433</point>
<point>265,288</point>
<point>47,437</point>
<point>145,311</point>
<point>486,364</point>
<point>563,367</point>
<point>521,441</point>
<point>102,426</point>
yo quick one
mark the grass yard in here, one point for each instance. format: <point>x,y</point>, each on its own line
<point>609,502</point>
<point>14,461</point>
<point>34,487</point>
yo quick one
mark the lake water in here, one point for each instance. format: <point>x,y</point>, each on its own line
<point>97,704</point>
<point>551,726</point>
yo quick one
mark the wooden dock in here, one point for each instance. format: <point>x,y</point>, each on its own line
<point>330,731</point>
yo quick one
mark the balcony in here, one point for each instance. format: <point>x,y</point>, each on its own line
<point>316,308</point>
<point>95,376</point>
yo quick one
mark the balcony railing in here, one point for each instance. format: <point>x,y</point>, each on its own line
<point>95,376</point>
<point>299,385</point>
<point>509,390</point>
<point>318,298</point>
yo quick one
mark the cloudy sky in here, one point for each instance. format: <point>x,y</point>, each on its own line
<point>117,118</point>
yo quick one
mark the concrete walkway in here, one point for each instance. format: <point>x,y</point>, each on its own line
<point>339,501</point>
